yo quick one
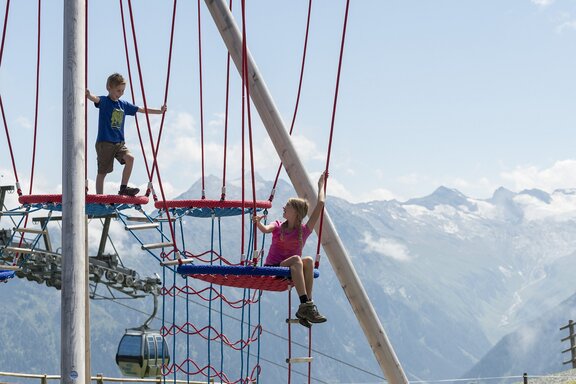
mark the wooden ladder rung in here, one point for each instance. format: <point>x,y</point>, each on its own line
<point>299,360</point>
<point>138,219</point>
<point>293,321</point>
<point>9,268</point>
<point>14,213</point>
<point>31,230</point>
<point>141,226</point>
<point>19,250</point>
<point>157,245</point>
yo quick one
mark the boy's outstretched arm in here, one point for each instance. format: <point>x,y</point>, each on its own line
<point>91,97</point>
<point>153,111</point>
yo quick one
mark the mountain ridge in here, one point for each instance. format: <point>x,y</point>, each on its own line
<point>448,275</point>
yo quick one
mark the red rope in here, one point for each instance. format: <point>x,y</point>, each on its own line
<point>298,93</point>
<point>39,17</point>
<point>173,235</point>
<point>243,6</point>
<point>223,195</point>
<point>204,332</point>
<point>201,98</point>
<point>10,147</point>
<point>332,122</point>
<point>246,84</point>
<point>289,336</point>
<point>209,293</point>
<point>4,30</point>
<point>37,99</point>
<point>309,355</point>
<point>129,67</point>
<point>155,163</point>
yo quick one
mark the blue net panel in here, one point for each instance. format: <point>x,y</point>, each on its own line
<point>5,275</point>
<point>207,208</point>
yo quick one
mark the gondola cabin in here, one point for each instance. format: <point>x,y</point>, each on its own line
<point>142,353</point>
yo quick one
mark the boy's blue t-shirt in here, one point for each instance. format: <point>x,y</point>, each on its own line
<point>111,118</point>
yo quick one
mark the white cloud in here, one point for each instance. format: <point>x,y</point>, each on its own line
<point>386,247</point>
<point>306,148</point>
<point>566,26</point>
<point>377,194</point>
<point>24,122</point>
<point>411,179</point>
<point>561,207</point>
<point>542,3</point>
<point>217,120</point>
<point>562,174</point>
<point>337,189</point>
<point>183,124</point>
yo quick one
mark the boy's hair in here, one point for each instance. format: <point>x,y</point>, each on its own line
<point>114,80</point>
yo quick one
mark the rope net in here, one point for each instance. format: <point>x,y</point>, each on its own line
<point>209,344</point>
<point>205,344</point>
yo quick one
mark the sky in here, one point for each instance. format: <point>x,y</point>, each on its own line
<point>471,95</point>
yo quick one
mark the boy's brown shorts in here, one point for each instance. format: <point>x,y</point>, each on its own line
<point>107,152</point>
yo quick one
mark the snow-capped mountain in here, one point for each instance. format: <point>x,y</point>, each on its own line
<point>463,272</point>
<point>448,275</point>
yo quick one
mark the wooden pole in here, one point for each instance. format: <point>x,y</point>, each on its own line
<point>334,248</point>
<point>87,303</point>
<point>73,320</point>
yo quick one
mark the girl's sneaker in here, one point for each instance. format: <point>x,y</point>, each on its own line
<point>308,311</point>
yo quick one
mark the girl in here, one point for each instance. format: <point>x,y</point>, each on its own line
<point>288,239</point>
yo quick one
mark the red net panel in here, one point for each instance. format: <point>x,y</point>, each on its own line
<point>265,283</point>
<point>90,199</point>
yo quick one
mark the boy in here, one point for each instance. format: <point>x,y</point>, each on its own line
<point>110,141</point>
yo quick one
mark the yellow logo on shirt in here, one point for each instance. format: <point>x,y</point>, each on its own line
<point>117,118</point>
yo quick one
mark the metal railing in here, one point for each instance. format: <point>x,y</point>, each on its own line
<point>98,379</point>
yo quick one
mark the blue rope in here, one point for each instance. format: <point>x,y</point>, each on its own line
<point>221,300</point>
<point>174,323</point>
<point>260,308</point>
<point>38,236</point>
<point>182,239</point>
<point>163,237</point>
<point>164,314</point>
<point>242,333</point>
<point>210,301</point>
<point>251,240</point>
<point>173,306</point>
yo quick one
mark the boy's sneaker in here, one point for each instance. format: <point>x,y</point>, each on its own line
<point>309,312</point>
<point>128,191</point>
